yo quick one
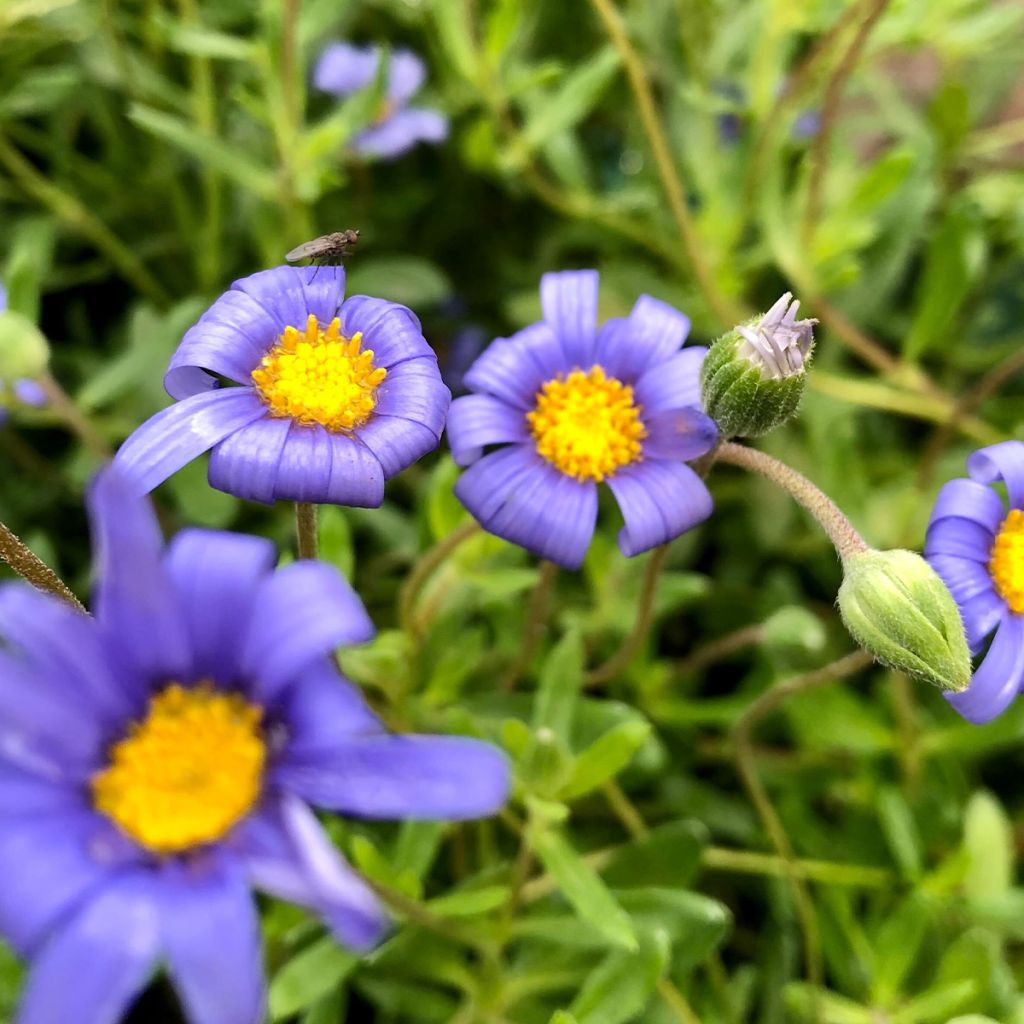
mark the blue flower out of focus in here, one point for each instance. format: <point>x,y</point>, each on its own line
<point>334,398</point>
<point>976,545</point>
<point>573,406</point>
<point>158,761</point>
<point>344,69</point>
<point>24,390</point>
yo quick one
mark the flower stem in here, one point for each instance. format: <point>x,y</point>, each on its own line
<point>846,540</point>
<point>32,569</point>
<point>77,422</point>
<point>723,647</point>
<point>641,626</point>
<point>305,529</point>
<point>533,628</point>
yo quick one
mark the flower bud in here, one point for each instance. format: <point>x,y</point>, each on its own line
<point>24,352</point>
<point>753,377</point>
<point>897,608</point>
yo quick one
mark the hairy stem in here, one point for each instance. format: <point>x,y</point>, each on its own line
<point>305,529</point>
<point>533,628</point>
<point>846,540</point>
<point>33,569</point>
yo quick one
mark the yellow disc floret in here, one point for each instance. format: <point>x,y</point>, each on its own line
<point>587,424</point>
<point>318,375</point>
<point>1006,563</point>
<point>187,773</point>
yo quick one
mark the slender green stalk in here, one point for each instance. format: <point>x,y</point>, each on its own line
<point>33,569</point>
<point>641,625</point>
<point>846,540</point>
<point>624,809</point>
<point>676,1002</point>
<point>718,650</point>
<point>305,529</point>
<point>533,628</point>
<point>746,764</point>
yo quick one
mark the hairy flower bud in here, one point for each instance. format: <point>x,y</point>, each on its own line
<point>896,607</point>
<point>24,351</point>
<point>753,377</point>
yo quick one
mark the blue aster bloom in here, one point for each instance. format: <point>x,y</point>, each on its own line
<point>568,406</point>
<point>333,397</point>
<point>159,760</point>
<point>344,69</point>
<point>976,544</point>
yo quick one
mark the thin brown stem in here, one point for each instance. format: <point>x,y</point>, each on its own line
<point>846,540</point>
<point>33,569</point>
<point>424,569</point>
<point>533,629</point>
<point>720,649</point>
<point>305,529</point>
<point>641,625</point>
<point>746,764</point>
<point>676,1002</point>
<point>726,309</point>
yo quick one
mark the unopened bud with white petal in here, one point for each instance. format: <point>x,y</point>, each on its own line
<point>897,608</point>
<point>753,377</point>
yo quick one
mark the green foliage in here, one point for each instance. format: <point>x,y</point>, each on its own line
<point>151,153</point>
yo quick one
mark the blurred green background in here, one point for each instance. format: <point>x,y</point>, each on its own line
<point>714,153</point>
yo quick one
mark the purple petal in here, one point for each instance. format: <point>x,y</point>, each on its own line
<point>344,69</point>
<point>476,421</point>
<point>326,468</point>
<point>514,494</point>
<point>49,863</point>
<point>652,333</point>
<point>679,435</point>
<point>30,392</point>
<point>998,680</point>
<point>659,501</point>
<point>322,709</point>
<point>406,75</point>
<point>216,575</point>
<point>414,390</point>
<point>211,935</point>
<point>288,295</point>
<point>66,648</point>
<point>569,302</point>
<point>288,855</point>
<point>177,435</point>
<point>513,369</point>
<point>246,463</point>
<point>135,604</point>
<point>672,384</point>
<point>401,131</point>
<point>967,499</point>
<point>300,613</point>
<point>396,442</point>
<point>981,614</point>
<point>92,967</point>
<point>3,298</point>
<point>392,332</point>
<point>967,581</point>
<point>417,777</point>
<point>961,538</point>
<point>1003,461</point>
<point>23,793</point>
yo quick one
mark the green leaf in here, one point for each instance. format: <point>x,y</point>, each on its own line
<point>409,280</point>
<point>605,758</point>
<point>470,902</point>
<point>309,976</point>
<point>417,845</point>
<point>335,537</point>
<point>898,945</point>
<point>900,831</point>
<point>988,840</point>
<point>620,986</point>
<point>444,511</point>
<point>581,886</point>
<point>232,161</point>
<point>560,682</point>
<point>28,262</point>
<point>669,855</point>
<point>456,35</point>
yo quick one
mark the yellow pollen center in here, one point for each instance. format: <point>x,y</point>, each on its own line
<point>319,376</point>
<point>1006,563</point>
<point>587,424</point>
<point>187,773</point>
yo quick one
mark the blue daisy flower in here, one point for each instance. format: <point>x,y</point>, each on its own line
<point>568,406</point>
<point>333,397</point>
<point>159,760</point>
<point>976,544</point>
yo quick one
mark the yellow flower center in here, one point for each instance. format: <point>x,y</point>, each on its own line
<point>587,424</point>
<point>187,773</point>
<point>319,376</point>
<point>1006,563</point>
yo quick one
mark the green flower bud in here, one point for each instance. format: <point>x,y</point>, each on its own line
<point>23,348</point>
<point>753,377</point>
<point>896,607</point>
